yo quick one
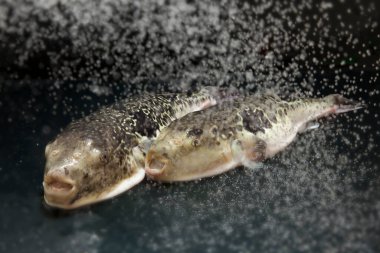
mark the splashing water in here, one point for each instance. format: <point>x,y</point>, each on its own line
<point>61,60</point>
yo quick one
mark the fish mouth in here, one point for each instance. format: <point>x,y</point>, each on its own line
<point>155,164</point>
<point>59,190</point>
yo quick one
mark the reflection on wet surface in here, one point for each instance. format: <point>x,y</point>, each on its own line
<point>320,194</point>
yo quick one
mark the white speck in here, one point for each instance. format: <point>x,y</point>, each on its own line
<point>326,5</point>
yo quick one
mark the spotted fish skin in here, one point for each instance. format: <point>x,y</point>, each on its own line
<point>102,154</point>
<point>244,131</point>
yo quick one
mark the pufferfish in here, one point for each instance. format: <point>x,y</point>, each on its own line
<point>102,155</point>
<point>245,131</point>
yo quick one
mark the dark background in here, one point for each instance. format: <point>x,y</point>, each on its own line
<point>322,194</point>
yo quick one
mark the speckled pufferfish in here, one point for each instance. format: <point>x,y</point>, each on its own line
<point>102,155</point>
<point>243,132</point>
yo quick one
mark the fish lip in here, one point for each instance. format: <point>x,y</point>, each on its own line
<point>51,191</point>
<point>153,172</point>
<point>55,196</point>
<point>63,181</point>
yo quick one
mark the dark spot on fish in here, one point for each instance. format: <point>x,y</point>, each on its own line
<point>214,131</point>
<point>194,132</point>
<point>66,171</point>
<point>274,118</point>
<point>261,144</point>
<point>255,121</point>
<point>195,143</point>
<point>188,93</point>
<point>104,158</point>
<point>181,128</point>
<point>148,126</point>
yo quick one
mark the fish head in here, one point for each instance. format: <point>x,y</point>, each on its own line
<point>187,153</point>
<point>75,172</point>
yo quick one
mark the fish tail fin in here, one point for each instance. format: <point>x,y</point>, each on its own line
<point>342,104</point>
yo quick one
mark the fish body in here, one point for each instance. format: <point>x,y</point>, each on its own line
<point>102,155</point>
<point>244,131</point>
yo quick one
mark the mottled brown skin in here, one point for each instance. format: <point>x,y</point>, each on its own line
<point>243,132</point>
<point>95,153</point>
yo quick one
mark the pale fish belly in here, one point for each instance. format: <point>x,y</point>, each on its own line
<point>279,136</point>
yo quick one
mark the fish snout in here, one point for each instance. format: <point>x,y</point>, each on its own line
<point>59,188</point>
<point>155,164</point>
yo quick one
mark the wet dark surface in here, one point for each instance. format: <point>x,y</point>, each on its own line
<point>322,194</point>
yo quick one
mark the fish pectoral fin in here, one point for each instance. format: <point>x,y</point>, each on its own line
<point>145,144</point>
<point>139,152</point>
<point>257,151</point>
<point>309,126</point>
<point>138,157</point>
<point>248,150</point>
<point>251,164</point>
